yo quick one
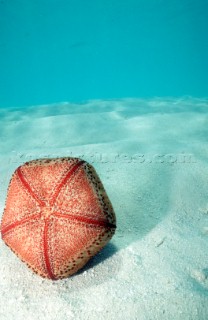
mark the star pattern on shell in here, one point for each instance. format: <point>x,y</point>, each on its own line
<point>57,216</point>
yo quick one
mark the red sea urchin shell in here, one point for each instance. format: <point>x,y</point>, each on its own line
<point>57,216</point>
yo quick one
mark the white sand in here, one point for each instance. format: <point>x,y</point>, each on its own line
<point>152,158</point>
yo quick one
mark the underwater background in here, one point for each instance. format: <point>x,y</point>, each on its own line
<point>58,50</point>
<point>122,85</point>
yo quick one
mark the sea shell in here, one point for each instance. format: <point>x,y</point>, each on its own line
<point>57,215</point>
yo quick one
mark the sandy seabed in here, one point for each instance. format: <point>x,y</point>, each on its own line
<point>152,156</point>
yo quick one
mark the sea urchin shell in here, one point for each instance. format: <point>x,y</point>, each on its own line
<point>57,216</point>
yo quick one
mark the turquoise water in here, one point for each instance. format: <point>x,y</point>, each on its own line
<point>143,65</point>
<point>60,50</point>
